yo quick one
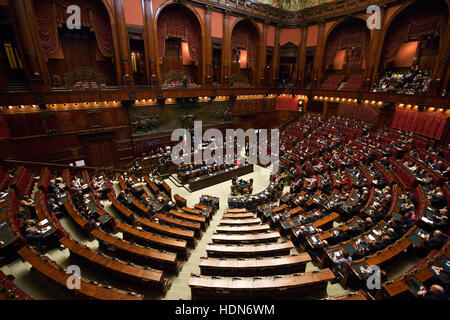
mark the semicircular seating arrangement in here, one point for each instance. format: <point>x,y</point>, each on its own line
<point>346,198</point>
<point>137,241</point>
<point>349,202</point>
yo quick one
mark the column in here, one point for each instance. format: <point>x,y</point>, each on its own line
<point>263,54</point>
<point>440,74</point>
<point>226,48</point>
<point>34,56</point>
<point>299,73</point>
<point>375,50</point>
<point>276,56</point>
<point>208,40</point>
<point>124,43</point>
<point>325,108</point>
<point>318,57</point>
<point>151,48</point>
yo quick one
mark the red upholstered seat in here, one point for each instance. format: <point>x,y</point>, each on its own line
<point>405,178</point>
<point>332,82</point>
<point>354,83</point>
<point>447,194</point>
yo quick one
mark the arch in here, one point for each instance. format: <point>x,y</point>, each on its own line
<point>249,20</point>
<point>198,20</point>
<point>357,21</point>
<point>398,15</point>
<point>338,23</point>
<point>103,28</point>
<point>188,6</point>
<point>402,8</point>
<point>256,32</point>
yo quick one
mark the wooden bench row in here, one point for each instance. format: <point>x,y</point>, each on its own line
<point>272,236</point>
<point>309,284</point>
<point>146,255</point>
<point>254,266</point>
<point>88,289</point>
<point>249,250</point>
<point>145,276</point>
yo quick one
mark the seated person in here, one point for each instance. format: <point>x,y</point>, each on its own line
<point>440,220</point>
<point>31,232</point>
<point>341,261</point>
<point>439,166</point>
<point>367,225</point>
<point>359,253</point>
<point>317,250</point>
<point>326,185</point>
<point>436,292</point>
<point>53,207</point>
<point>446,173</point>
<point>52,188</point>
<point>438,200</point>
<point>23,213</point>
<point>337,236</point>
<point>385,241</point>
<point>373,246</point>
<point>393,235</point>
<point>28,204</point>
<point>354,230</point>
<point>122,198</point>
<point>434,242</point>
<point>407,221</point>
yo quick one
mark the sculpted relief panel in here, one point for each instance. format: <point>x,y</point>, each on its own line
<point>158,119</point>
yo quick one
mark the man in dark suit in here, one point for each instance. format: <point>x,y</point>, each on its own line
<point>438,200</point>
<point>434,242</point>
<point>354,230</point>
<point>52,188</point>
<point>436,292</point>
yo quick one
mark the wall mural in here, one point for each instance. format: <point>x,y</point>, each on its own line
<point>157,119</point>
<point>294,5</point>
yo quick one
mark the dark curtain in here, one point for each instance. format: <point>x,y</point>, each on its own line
<point>174,22</point>
<point>51,14</point>
<point>287,103</point>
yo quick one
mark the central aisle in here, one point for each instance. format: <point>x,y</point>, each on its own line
<point>180,288</point>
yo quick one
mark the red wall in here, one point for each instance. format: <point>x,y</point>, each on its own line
<point>133,12</point>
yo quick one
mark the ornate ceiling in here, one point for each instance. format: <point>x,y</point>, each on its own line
<point>293,5</point>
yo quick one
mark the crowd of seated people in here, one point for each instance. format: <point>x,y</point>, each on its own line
<point>54,198</point>
<point>81,200</point>
<point>32,229</point>
<point>438,209</point>
<point>159,152</point>
<point>370,205</point>
<point>195,170</point>
<point>135,189</point>
<point>29,221</point>
<point>341,121</point>
<point>421,175</point>
<point>412,81</point>
<point>434,164</point>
